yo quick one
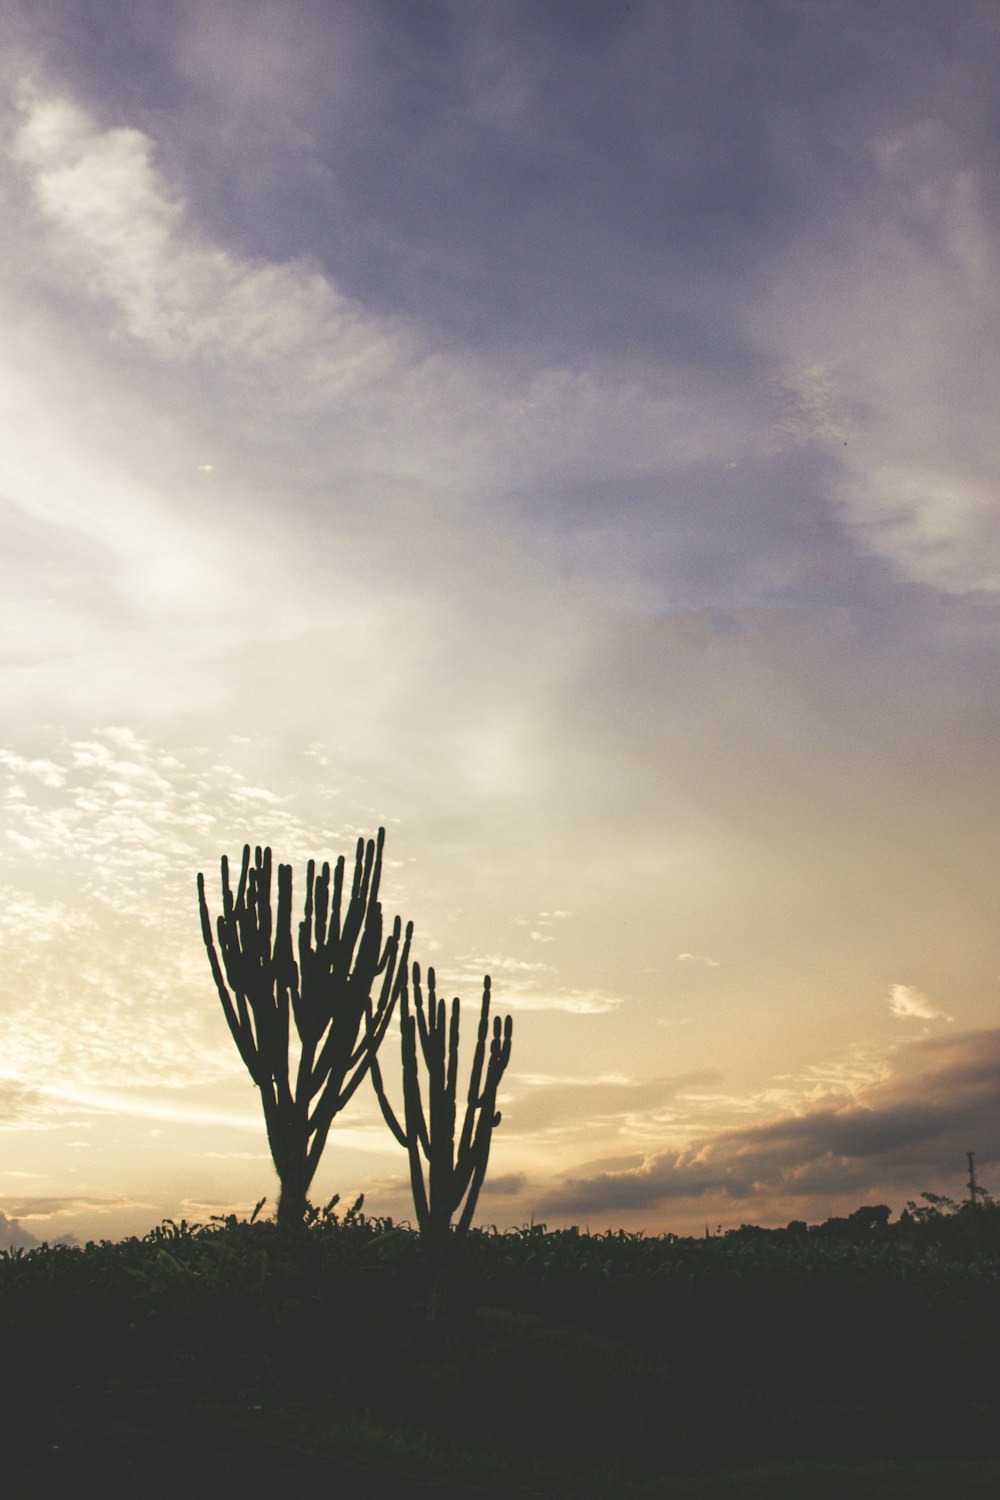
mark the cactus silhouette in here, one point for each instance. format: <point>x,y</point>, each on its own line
<point>455,1172</point>
<point>327,993</point>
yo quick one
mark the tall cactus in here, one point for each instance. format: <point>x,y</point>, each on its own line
<point>455,1173</point>
<point>328,993</point>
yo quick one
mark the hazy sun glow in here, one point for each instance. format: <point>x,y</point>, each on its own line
<point>564,436</point>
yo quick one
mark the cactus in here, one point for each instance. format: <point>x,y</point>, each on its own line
<point>327,993</point>
<point>454,1174</point>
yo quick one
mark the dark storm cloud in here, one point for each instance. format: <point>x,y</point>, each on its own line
<point>940,1100</point>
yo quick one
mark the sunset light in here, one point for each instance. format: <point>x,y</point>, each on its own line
<point>564,436</point>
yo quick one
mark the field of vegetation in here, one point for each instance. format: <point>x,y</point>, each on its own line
<point>564,1362</point>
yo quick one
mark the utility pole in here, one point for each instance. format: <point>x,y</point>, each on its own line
<point>973,1187</point>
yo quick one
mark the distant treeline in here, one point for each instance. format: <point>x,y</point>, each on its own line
<point>935,1217</point>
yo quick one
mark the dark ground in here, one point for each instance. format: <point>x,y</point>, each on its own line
<point>238,1361</point>
<point>104,1448</point>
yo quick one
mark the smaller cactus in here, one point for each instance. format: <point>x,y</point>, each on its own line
<point>451,1182</point>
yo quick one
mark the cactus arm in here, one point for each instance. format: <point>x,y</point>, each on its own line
<point>338,892</point>
<point>244,876</point>
<point>358,903</point>
<point>452,1079</point>
<point>264,904</point>
<point>388,1113</point>
<point>394,987</point>
<point>476,1071</point>
<point>284,955</point>
<point>239,1025</point>
<point>269,995</point>
<point>473,1161</point>
<point>489,1119</point>
<point>479,1174</point>
<point>377,867</point>
<point>414,1028</point>
<point>393,967</point>
<point>322,889</point>
<point>419,1007</point>
<point>418,1190</point>
<point>229,940</point>
<point>306,1018</point>
<point>441,1131</point>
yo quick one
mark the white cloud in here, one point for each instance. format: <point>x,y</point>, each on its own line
<point>893,383</point>
<point>511,992</point>
<point>495,963</point>
<point>107,982</point>
<point>909,1004</point>
<point>578,1002</point>
<point>125,231</point>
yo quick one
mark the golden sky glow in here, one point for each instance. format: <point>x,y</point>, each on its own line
<point>567,439</point>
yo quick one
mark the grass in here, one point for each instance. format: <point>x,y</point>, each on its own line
<point>605,1366</point>
<point>377,1446</point>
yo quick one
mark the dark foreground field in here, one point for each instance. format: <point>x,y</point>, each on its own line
<point>249,1361</point>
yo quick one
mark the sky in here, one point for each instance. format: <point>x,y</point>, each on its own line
<point>562,433</point>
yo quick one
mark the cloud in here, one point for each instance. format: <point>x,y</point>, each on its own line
<point>891,385</point>
<point>39,1207</point>
<point>53,1209</point>
<point>21,1106</point>
<point>108,984</point>
<point>115,216</point>
<point>907,1004</point>
<point>504,1184</point>
<point>13,1237</point>
<point>114,225</point>
<point>551,547</point>
<point>564,1107</point>
<point>513,988</point>
<point>497,963</point>
<point>938,1100</point>
<point>577,1002</point>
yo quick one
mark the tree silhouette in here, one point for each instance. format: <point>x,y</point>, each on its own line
<point>327,993</point>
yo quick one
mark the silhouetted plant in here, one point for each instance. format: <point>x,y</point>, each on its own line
<point>328,993</point>
<point>454,1174</point>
